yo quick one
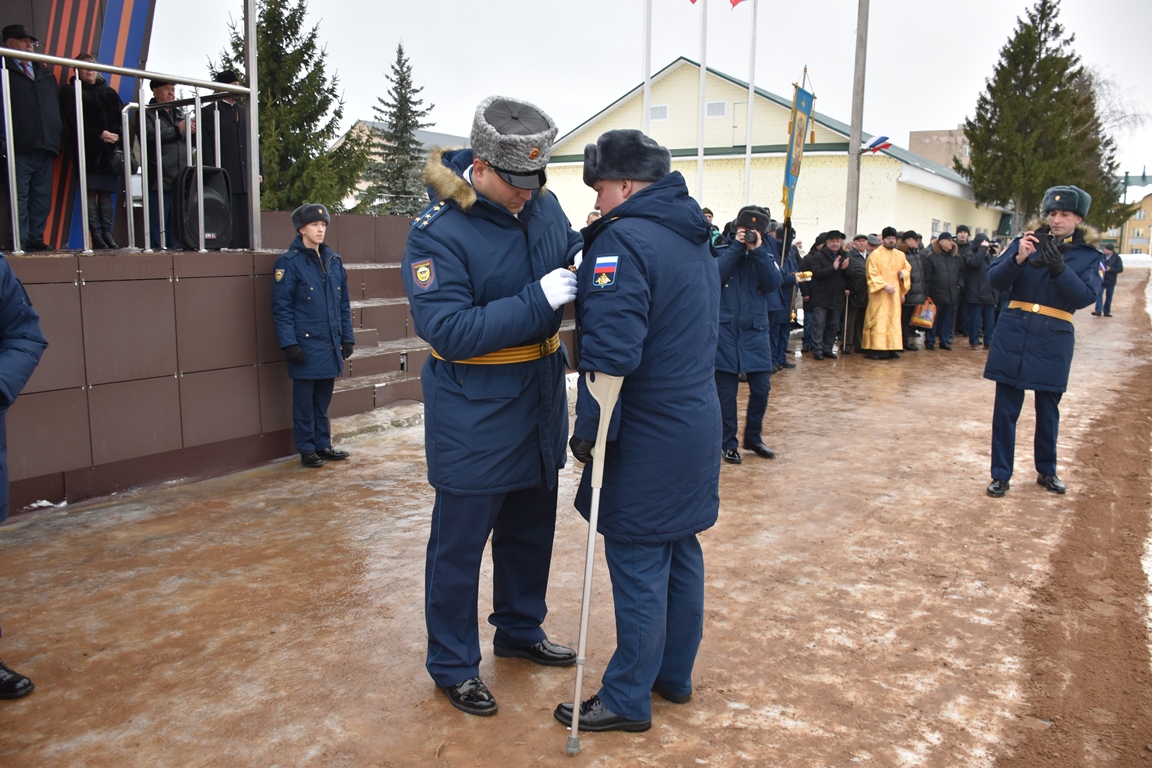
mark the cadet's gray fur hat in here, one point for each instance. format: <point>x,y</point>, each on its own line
<point>515,139</point>
<point>625,153</point>
<point>1067,198</point>
<point>308,213</point>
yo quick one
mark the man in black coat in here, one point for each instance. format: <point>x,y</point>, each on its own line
<point>173,157</point>
<point>857,280</point>
<point>829,267</point>
<point>233,155</point>
<point>36,132</point>
<point>944,272</point>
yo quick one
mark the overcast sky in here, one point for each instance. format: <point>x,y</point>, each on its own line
<point>927,59</point>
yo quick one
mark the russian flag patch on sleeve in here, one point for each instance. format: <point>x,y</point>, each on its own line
<point>604,273</point>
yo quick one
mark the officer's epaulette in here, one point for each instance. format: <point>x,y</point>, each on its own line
<point>429,214</point>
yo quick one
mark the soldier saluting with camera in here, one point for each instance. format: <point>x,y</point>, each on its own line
<point>1049,273</point>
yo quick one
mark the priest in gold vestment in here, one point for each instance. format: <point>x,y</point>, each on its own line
<point>889,278</point>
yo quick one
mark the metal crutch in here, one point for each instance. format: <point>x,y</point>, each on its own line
<point>605,390</point>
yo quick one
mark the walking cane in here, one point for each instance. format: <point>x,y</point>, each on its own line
<point>605,390</point>
<point>844,341</point>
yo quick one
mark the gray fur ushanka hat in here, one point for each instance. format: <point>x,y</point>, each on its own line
<point>515,139</point>
<point>625,153</point>
<point>1067,198</point>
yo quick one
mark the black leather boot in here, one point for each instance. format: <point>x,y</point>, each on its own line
<point>98,243</point>
<point>106,223</point>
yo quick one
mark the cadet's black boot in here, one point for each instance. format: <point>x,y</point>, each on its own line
<point>13,685</point>
<point>106,223</point>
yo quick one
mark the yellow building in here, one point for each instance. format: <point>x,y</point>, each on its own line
<point>1136,233</point>
<point>897,188</point>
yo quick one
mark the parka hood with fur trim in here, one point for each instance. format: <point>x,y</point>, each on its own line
<point>444,177</point>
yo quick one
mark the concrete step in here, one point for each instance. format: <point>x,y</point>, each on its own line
<point>374,281</point>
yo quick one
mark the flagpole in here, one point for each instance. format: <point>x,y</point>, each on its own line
<point>751,104</point>
<point>703,80</point>
<point>852,202</point>
<point>647,66</point>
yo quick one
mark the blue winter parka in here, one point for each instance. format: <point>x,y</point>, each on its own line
<point>749,290</point>
<point>1031,350</point>
<point>648,296</point>
<point>311,308</point>
<point>472,273</point>
<point>21,345</point>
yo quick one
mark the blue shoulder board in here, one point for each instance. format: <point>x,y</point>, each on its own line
<point>429,214</point>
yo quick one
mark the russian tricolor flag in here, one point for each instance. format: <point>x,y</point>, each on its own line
<point>877,144</point>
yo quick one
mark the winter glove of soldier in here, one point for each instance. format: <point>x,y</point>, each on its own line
<point>581,449</point>
<point>294,354</point>
<point>559,287</point>
<point>1053,259</point>
<point>346,350</point>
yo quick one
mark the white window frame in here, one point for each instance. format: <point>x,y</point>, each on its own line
<point>654,114</point>
<point>708,111</point>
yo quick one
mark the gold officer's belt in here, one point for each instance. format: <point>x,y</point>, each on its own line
<point>1040,309</point>
<point>523,354</point>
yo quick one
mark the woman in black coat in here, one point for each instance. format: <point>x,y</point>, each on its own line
<point>101,107</point>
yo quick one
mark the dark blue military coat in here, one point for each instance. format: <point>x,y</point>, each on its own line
<point>749,290</point>
<point>472,273</point>
<point>21,345</point>
<point>648,307</point>
<point>1031,350</point>
<point>311,308</point>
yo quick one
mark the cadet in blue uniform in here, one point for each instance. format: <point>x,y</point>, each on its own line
<point>486,272</point>
<point>749,289</point>
<point>314,327</point>
<point>648,310</point>
<point>1046,275</point>
<point>21,345</point>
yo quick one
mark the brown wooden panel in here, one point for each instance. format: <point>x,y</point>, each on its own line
<point>127,266</point>
<point>276,232</point>
<point>45,269</point>
<point>384,282</point>
<point>211,264</point>
<point>48,432</point>
<point>264,263</point>
<point>357,238</point>
<point>365,337</point>
<point>267,345</point>
<point>62,365</point>
<point>129,330</point>
<point>219,405</point>
<point>416,360</point>
<point>409,389</point>
<point>275,397</point>
<point>391,238</point>
<point>24,493</point>
<point>355,280</point>
<point>332,238</point>
<point>389,320</point>
<point>370,365</point>
<point>134,418</point>
<point>347,402</point>
<point>215,323</point>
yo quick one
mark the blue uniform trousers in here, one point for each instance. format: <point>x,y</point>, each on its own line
<point>981,316</point>
<point>522,525</point>
<point>941,330</point>
<point>727,385</point>
<point>310,399</point>
<point>658,590</point>
<point>1009,401</point>
<point>779,329</point>
<point>1104,299</point>
<point>3,465</point>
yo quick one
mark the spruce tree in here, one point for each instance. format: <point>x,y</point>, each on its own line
<point>394,183</point>
<point>300,111</point>
<point>1036,125</point>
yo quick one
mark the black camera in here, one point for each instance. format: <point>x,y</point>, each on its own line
<point>751,236</point>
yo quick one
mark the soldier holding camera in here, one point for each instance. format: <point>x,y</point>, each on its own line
<point>749,288</point>
<point>1048,273</point>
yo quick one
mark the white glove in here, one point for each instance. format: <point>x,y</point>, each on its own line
<point>578,259</point>
<point>559,287</point>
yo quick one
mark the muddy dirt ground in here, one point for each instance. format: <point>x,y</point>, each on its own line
<point>867,603</point>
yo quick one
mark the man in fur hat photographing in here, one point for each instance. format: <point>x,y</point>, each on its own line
<point>1050,273</point>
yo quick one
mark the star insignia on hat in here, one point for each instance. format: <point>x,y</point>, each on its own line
<point>1057,198</point>
<point>535,153</point>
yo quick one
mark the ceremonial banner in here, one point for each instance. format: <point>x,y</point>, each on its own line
<point>801,115</point>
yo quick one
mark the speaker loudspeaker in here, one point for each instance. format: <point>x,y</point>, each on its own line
<point>217,209</point>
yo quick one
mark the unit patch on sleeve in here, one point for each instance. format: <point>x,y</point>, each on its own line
<point>424,275</point>
<point>279,275</point>
<point>604,273</point>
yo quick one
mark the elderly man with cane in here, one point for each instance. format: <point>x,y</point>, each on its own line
<point>648,295</point>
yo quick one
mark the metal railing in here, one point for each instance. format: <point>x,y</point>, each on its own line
<point>221,91</point>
